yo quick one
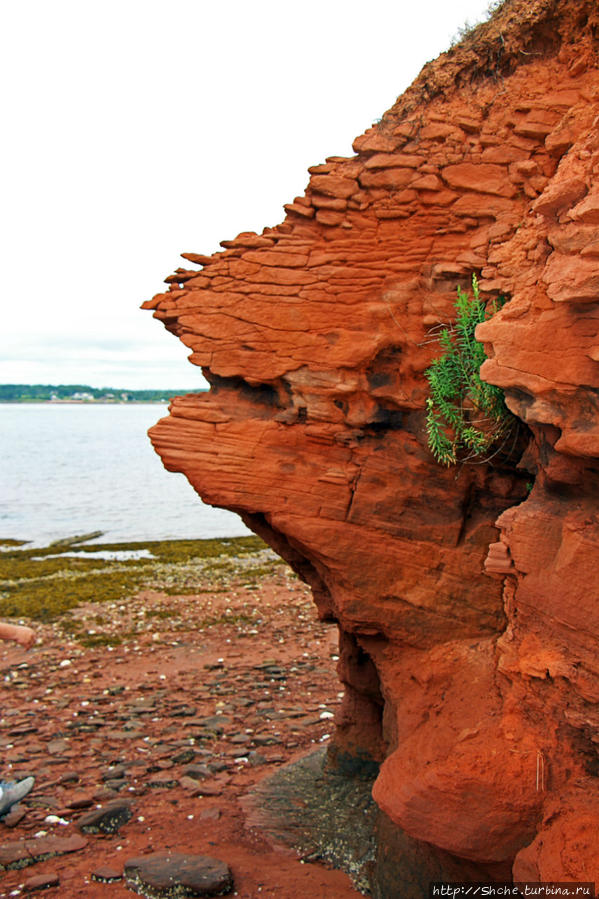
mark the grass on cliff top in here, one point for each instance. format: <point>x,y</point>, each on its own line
<point>44,584</point>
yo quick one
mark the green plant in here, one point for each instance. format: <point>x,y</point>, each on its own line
<point>466,418</point>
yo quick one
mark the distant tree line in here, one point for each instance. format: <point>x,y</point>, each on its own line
<point>38,393</point>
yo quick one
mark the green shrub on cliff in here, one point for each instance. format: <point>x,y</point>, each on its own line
<point>466,419</point>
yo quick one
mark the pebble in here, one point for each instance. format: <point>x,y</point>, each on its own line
<point>162,782</point>
<point>210,814</point>
<point>114,773</point>
<point>80,800</point>
<point>255,759</point>
<point>194,787</point>
<point>68,777</point>
<point>105,874</point>
<point>186,755</point>
<point>211,789</point>
<point>109,819</point>
<point>198,771</point>
<point>14,816</point>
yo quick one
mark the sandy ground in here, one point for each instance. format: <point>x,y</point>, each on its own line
<point>204,696</point>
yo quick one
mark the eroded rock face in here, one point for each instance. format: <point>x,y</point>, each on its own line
<point>478,693</point>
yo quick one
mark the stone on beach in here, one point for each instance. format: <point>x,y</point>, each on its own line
<point>174,873</point>
<point>108,819</point>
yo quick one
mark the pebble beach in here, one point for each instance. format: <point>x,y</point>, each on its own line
<point>165,685</point>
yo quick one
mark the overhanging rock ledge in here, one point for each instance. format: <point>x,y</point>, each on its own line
<point>467,600</point>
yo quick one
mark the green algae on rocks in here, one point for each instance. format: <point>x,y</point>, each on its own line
<point>44,584</point>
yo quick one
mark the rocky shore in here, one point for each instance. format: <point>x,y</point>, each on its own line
<point>148,719</point>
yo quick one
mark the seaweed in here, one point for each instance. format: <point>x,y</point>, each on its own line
<point>41,584</point>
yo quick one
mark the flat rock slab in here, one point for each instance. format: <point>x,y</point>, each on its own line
<point>41,882</point>
<point>108,819</point>
<point>174,874</point>
<point>22,853</point>
<point>14,816</point>
<point>105,874</point>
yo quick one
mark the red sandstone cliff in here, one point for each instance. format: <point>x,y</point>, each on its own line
<point>478,693</point>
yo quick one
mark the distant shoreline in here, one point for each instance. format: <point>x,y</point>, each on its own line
<point>86,394</point>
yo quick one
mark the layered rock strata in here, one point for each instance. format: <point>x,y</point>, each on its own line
<point>466,598</point>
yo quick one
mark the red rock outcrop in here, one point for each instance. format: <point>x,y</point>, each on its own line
<point>477,693</point>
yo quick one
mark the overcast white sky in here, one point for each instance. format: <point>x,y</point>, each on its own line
<point>133,131</point>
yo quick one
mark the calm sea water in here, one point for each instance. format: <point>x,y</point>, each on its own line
<point>72,469</point>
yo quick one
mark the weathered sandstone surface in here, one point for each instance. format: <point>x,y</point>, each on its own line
<point>466,598</point>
